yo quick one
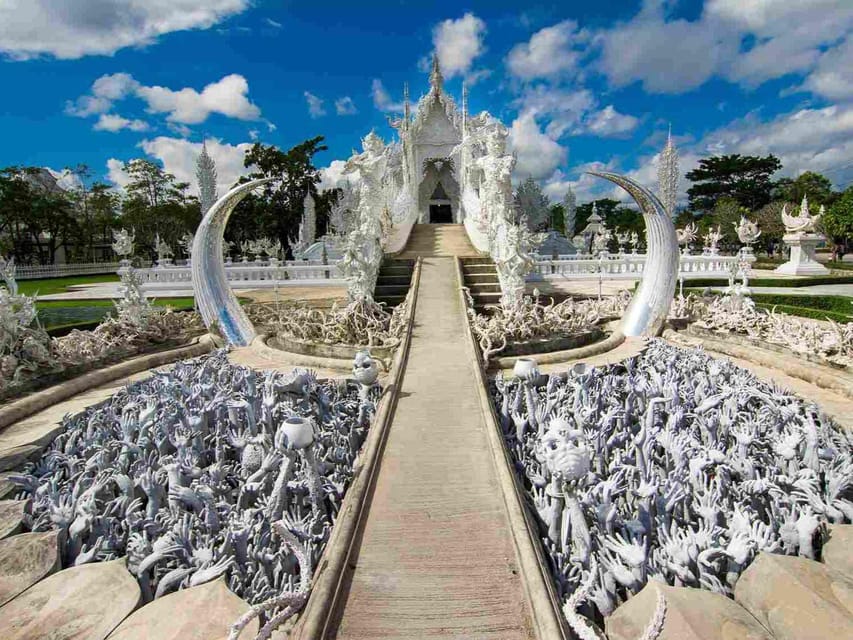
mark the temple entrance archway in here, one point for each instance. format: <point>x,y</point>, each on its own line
<point>440,213</point>
<point>438,193</point>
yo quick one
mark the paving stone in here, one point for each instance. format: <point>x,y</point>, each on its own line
<point>838,551</point>
<point>80,603</point>
<point>691,614</point>
<point>205,612</point>
<point>11,517</point>
<point>796,598</point>
<point>25,559</point>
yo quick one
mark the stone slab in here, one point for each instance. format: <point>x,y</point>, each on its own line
<point>205,612</point>
<point>838,550</point>
<point>11,517</point>
<point>796,598</point>
<point>691,614</point>
<point>80,603</point>
<point>25,559</point>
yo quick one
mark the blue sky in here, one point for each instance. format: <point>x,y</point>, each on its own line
<point>580,85</point>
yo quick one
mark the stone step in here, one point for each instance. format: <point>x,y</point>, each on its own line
<point>390,290</point>
<point>479,270</point>
<point>477,261</point>
<point>482,278</point>
<point>386,280</point>
<point>479,288</point>
<point>389,301</point>
<point>395,272</point>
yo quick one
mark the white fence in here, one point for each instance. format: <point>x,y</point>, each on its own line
<point>29,272</point>
<point>629,267</point>
<point>247,275</point>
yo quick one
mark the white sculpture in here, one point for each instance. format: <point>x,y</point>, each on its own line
<point>570,207</point>
<point>668,176</point>
<point>802,238</point>
<point>164,251</point>
<point>712,240</point>
<point>133,307</point>
<point>206,175</point>
<point>496,185</point>
<point>686,236</point>
<point>363,253</point>
<point>601,240</point>
<point>186,243</point>
<point>123,242</point>
<point>747,231</point>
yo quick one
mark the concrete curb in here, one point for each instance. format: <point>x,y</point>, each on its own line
<point>319,617</point>
<point>542,601</point>
<point>260,345</point>
<point>836,380</point>
<point>40,400</point>
<point>555,357</point>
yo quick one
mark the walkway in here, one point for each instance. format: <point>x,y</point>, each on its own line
<point>436,558</point>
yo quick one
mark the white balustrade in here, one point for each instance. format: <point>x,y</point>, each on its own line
<point>628,267</point>
<point>29,272</point>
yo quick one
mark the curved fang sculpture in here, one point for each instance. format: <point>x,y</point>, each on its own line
<point>649,307</point>
<point>216,302</point>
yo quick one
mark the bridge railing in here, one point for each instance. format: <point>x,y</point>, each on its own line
<point>30,272</point>
<point>247,275</point>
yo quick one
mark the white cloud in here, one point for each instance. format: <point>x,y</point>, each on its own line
<point>315,105</point>
<point>609,123</point>
<point>179,156</point>
<point>273,23</point>
<point>382,100</point>
<point>548,53</point>
<point>65,29</point>
<point>184,106</point>
<point>253,134</point>
<point>345,106</point>
<point>833,75</point>
<point>745,42</point>
<point>105,90</point>
<point>333,176</point>
<point>457,43</point>
<point>188,106</point>
<point>538,155</point>
<point>113,122</point>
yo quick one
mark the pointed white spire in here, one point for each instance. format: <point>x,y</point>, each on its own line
<point>206,175</point>
<point>436,80</point>
<point>407,110</point>
<point>668,175</point>
<point>804,207</point>
<point>570,207</point>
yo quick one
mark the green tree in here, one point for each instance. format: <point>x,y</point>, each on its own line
<point>726,214</point>
<point>769,220</point>
<point>815,186</point>
<point>745,179</point>
<point>837,221</point>
<point>277,210</point>
<point>531,202</point>
<point>557,219</point>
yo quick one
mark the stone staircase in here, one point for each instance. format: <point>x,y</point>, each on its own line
<point>392,285</point>
<point>435,240</point>
<point>481,277</point>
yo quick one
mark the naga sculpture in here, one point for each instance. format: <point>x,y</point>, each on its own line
<point>646,315</point>
<point>803,222</point>
<point>216,302</point>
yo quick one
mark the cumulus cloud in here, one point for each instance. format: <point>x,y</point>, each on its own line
<point>382,99</point>
<point>227,97</point>
<point>457,43</point>
<point>745,42</point>
<point>333,176</point>
<point>31,28</point>
<point>179,156</point>
<point>188,106</point>
<point>609,123</point>
<point>315,105</point>
<point>345,106</point>
<point>113,122</point>
<point>833,74</point>
<point>538,154</point>
<point>549,52</point>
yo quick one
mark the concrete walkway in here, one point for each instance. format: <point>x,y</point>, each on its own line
<point>436,557</point>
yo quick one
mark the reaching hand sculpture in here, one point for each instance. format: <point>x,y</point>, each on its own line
<point>216,302</point>
<point>647,313</point>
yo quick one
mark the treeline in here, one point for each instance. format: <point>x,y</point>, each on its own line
<point>726,187</point>
<point>38,219</point>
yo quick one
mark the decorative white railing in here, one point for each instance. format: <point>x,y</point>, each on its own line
<point>247,274</point>
<point>629,267</point>
<point>29,272</point>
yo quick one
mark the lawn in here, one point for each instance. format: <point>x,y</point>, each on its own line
<point>47,286</point>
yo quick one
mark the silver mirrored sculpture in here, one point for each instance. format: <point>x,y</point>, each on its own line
<point>216,303</point>
<point>646,315</point>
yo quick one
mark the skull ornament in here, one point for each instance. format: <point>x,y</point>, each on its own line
<point>364,368</point>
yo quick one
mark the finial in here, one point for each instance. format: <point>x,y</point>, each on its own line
<point>436,80</point>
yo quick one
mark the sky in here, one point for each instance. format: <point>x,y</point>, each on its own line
<point>580,85</point>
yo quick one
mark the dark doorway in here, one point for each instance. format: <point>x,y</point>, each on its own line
<point>439,213</point>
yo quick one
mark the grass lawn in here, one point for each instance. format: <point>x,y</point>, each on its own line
<point>47,286</point>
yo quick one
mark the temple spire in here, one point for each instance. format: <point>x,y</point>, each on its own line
<point>464,108</point>
<point>406,106</point>
<point>436,80</point>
